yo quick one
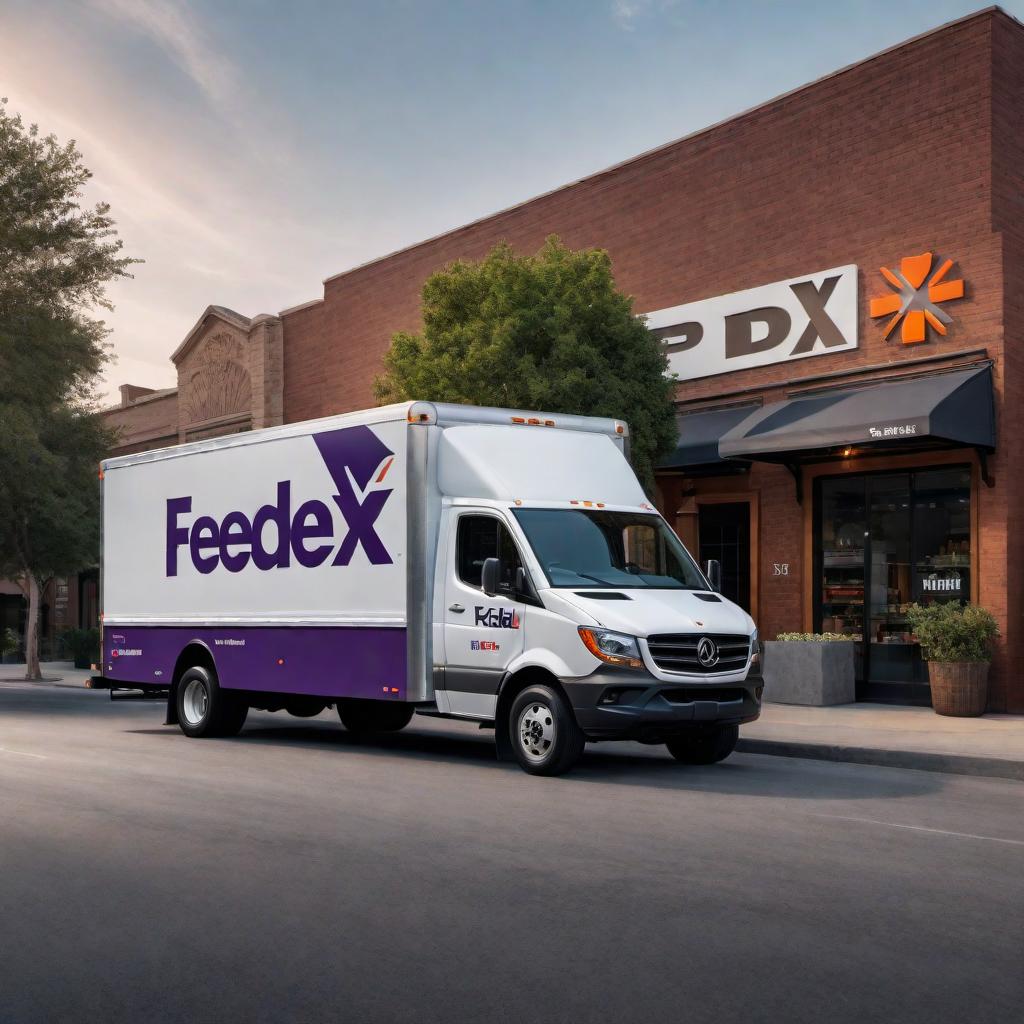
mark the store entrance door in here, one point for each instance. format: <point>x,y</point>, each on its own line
<point>724,532</point>
<point>883,541</point>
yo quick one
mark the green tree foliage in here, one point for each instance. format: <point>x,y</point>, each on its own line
<point>56,257</point>
<point>548,332</point>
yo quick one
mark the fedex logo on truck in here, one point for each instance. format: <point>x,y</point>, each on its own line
<point>352,455</point>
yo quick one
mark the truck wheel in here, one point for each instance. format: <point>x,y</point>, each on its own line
<point>704,746</point>
<point>545,736</point>
<point>204,709</point>
<point>365,717</point>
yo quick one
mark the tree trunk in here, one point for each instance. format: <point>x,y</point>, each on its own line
<point>32,671</point>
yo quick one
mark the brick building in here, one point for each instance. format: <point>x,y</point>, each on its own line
<point>840,464</point>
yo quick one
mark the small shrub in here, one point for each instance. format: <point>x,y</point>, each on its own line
<point>951,632</point>
<point>8,642</point>
<point>83,645</point>
<point>815,638</point>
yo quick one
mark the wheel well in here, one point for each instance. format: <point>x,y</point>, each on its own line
<point>510,689</point>
<point>194,653</point>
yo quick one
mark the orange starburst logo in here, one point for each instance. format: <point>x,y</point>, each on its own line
<point>916,303</point>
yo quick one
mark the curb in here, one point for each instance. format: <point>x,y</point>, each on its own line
<point>950,764</point>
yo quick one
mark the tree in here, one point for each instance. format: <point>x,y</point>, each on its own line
<point>56,257</point>
<point>548,332</point>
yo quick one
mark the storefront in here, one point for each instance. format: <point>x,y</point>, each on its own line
<point>865,486</point>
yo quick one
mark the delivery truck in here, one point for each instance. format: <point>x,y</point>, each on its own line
<point>490,565</point>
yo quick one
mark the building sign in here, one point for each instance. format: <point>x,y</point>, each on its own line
<point>914,303</point>
<point>932,584</point>
<point>813,315</point>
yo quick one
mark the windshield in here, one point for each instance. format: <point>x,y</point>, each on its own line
<point>592,548</point>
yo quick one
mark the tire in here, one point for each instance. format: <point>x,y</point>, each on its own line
<point>204,709</point>
<point>704,746</point>
<point>366,717</point>
<point>543,730</point>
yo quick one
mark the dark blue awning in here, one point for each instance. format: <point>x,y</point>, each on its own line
<point>699,433</point>
<point>953,408</point>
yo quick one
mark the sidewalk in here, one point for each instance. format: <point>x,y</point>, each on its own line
<point>61,673</point>
<point>901,737</point>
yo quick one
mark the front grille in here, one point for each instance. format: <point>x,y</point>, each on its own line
<point>677,652</point>
<point>688,696</point>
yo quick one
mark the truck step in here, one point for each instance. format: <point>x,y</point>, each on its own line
<point>128,693</point>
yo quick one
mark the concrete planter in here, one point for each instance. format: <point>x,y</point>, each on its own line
<point>806,672</point>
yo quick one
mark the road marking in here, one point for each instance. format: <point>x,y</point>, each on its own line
<point>22,753</point>
<point>921,828</point>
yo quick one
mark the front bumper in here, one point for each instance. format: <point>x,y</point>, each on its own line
<point>619,704</point>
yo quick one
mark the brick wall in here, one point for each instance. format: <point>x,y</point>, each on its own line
<point>1007,210</point>
<point>886,159</point>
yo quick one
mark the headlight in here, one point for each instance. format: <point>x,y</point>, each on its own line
<point>613,648</point>
<point>755,648</point>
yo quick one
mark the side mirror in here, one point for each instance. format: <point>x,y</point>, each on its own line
<point>489,576</point>
<point>714,574</point>
<point>524,587</point>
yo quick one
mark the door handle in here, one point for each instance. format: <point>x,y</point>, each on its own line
<point>456,608</point>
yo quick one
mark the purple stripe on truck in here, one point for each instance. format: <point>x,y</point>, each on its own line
<point>326,661</point>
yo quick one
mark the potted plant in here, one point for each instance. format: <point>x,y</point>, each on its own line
<point>956,641</point>
<point>8,643</point>
<point>83,646</point>
<point>809,668</point>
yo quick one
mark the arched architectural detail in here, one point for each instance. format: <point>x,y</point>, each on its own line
<point>216,383</point>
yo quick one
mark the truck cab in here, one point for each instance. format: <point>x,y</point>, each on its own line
<point>583,617</point>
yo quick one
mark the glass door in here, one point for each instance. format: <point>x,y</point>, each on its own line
<point>842,545</point>
<point>724,534</point>
<point>883,541</point>
<point>893,658</point>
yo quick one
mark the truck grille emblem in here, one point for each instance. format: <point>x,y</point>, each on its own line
<point>707,652</point>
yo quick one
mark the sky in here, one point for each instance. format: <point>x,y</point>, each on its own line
<point>249,149</point>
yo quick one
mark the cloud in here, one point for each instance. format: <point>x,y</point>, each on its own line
<point>625,13</point>
<point>173,27</point>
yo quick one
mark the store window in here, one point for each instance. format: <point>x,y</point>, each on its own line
<point>886,540</point>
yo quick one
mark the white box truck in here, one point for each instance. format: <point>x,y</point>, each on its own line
<point>483,564</point>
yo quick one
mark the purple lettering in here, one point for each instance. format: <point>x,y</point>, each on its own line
<point>199,543</point>
<point>321,526</point>
<point>280,516</point>
<point>360,520</point>
<point>235,530</point>
<point>176,535</point>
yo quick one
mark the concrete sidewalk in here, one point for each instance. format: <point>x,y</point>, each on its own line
<point>60,673</point>
<point>901,737</point>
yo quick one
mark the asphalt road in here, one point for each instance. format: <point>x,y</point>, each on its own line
<point>296,874</point>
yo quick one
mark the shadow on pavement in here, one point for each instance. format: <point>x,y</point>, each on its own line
<point>608,764</point>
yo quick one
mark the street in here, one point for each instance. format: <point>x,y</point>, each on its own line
<point>296,874</point>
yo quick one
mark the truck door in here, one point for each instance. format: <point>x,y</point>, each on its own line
<point>482,635</point>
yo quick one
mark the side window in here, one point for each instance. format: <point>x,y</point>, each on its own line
<point>482,537</point>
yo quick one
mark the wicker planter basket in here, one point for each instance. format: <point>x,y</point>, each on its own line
<point>959,688</point>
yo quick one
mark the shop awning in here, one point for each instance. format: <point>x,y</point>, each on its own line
<point>699,433</point>
<point>938,410</point>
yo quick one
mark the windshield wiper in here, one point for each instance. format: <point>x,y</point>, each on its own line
<point>596,579</point>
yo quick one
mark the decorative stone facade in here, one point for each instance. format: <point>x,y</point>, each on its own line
<point>230,379</point>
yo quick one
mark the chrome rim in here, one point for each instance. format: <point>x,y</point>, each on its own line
<point>536,731</point>
<point>195,702</point>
